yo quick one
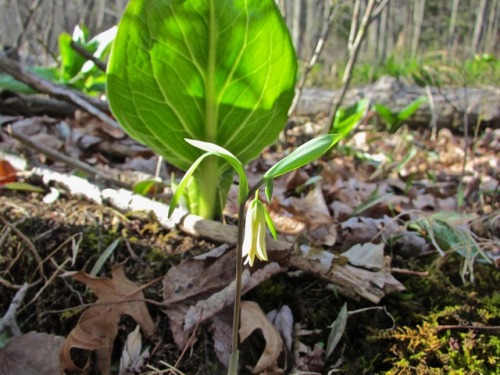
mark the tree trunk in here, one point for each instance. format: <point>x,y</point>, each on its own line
<point>418,18</point>
<point>478,27</point>
<point>451,104</point>
<point>453,22</point>
<point>296,17</point>
<point>492,31</point>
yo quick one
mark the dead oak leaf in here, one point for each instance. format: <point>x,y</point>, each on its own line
<point>97,327</point>
<point>252,318</point>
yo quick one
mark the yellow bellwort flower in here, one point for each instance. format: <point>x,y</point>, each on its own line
<point>254,241</point>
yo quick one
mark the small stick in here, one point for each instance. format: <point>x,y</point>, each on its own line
<point>432,106</point>
<point>353,56</point>
<point>325,29</point>
<point>473,328</point>
<point>9,319</point>
<point>55,155</point>
<point>90,105</point>
<point>190,340</point>
<point>28,242</point>
<point>82,51</point>
<point>409,272</point>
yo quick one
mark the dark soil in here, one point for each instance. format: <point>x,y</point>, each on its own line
<point>74,229</point>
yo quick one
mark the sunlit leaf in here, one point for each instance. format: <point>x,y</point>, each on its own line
<point>303,155</point>
<point>146,187</point>
<point>184,183</point>
<point>23,186</point>
<point>411,108</point>
<point>385,113</point>
<point>231,159</point>
<point>346,119</point>
<point>221,72</point>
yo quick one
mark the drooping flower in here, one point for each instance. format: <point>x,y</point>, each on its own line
<point>254,241</point>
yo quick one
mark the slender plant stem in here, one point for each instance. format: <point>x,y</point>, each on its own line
<point>353,55</point>
<point>239,270</point>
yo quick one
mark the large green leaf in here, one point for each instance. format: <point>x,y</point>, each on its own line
<point>219,71</point>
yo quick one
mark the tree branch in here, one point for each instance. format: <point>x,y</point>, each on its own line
<point>93,106</point>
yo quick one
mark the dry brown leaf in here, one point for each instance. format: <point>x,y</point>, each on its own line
<point>285,221</point>
<point>341,211</point>
<point>7,172</point>
<point>424,201</point>
<point>200,288</point>
<point>31,354</point>
<point>367,255</point>
<point>222,330</point>
<point>191,281</point>
<point>133,356</point>
<point>283,321</point>
<point>252,318</point>
<point>97,327</point>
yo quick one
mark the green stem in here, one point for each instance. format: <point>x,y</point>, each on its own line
<point>233,362</point>
<point>206,204</point>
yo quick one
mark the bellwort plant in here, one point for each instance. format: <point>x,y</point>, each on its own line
<point>252,226</point>
<point>216,71</point>
<point>207,85</point>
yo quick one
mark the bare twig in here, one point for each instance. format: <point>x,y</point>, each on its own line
<point>371,308</point>
<point>190,340</point>
<point>473,328</point>
<point>34,6</point>
<point>28,242</point>
<point>380,7</point>
<point>90,105</point>
<point>82,51</point>
<point>409,272</point>
<point>434,116</point>
<point>353,55</point>
<point>329,16</point>
<point>354,24</point>
<point>9,319</point>
<point>55,155</point>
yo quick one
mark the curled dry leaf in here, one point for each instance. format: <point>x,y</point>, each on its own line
<point>283,320</point>
<point>7,172</point>
<point>133,356</point>
<point>252,318</point>
<point>98,325</point>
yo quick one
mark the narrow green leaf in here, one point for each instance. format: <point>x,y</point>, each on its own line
<point>385,113</point>
<point>184,182</point>
<point>410,109</point>
<point>346,119</point>
<point>146,187</point>
<point>269,189</point>
<point>372,200</point>
<point>270,224</point>
<point>104,257</point>
<point>71,61</point>
<point>231,159</point>
<point>337,330</point>
<point>303,155</point>
<point>22,186</point>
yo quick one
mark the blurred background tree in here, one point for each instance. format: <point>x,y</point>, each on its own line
<point>404,36</point>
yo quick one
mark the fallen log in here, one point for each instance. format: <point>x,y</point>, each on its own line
<point>17,104</point>
<point>451,105</point>
<point>350,280</point>
<point>446,107</point>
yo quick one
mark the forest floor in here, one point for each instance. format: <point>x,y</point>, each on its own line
<point>432,204</point>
